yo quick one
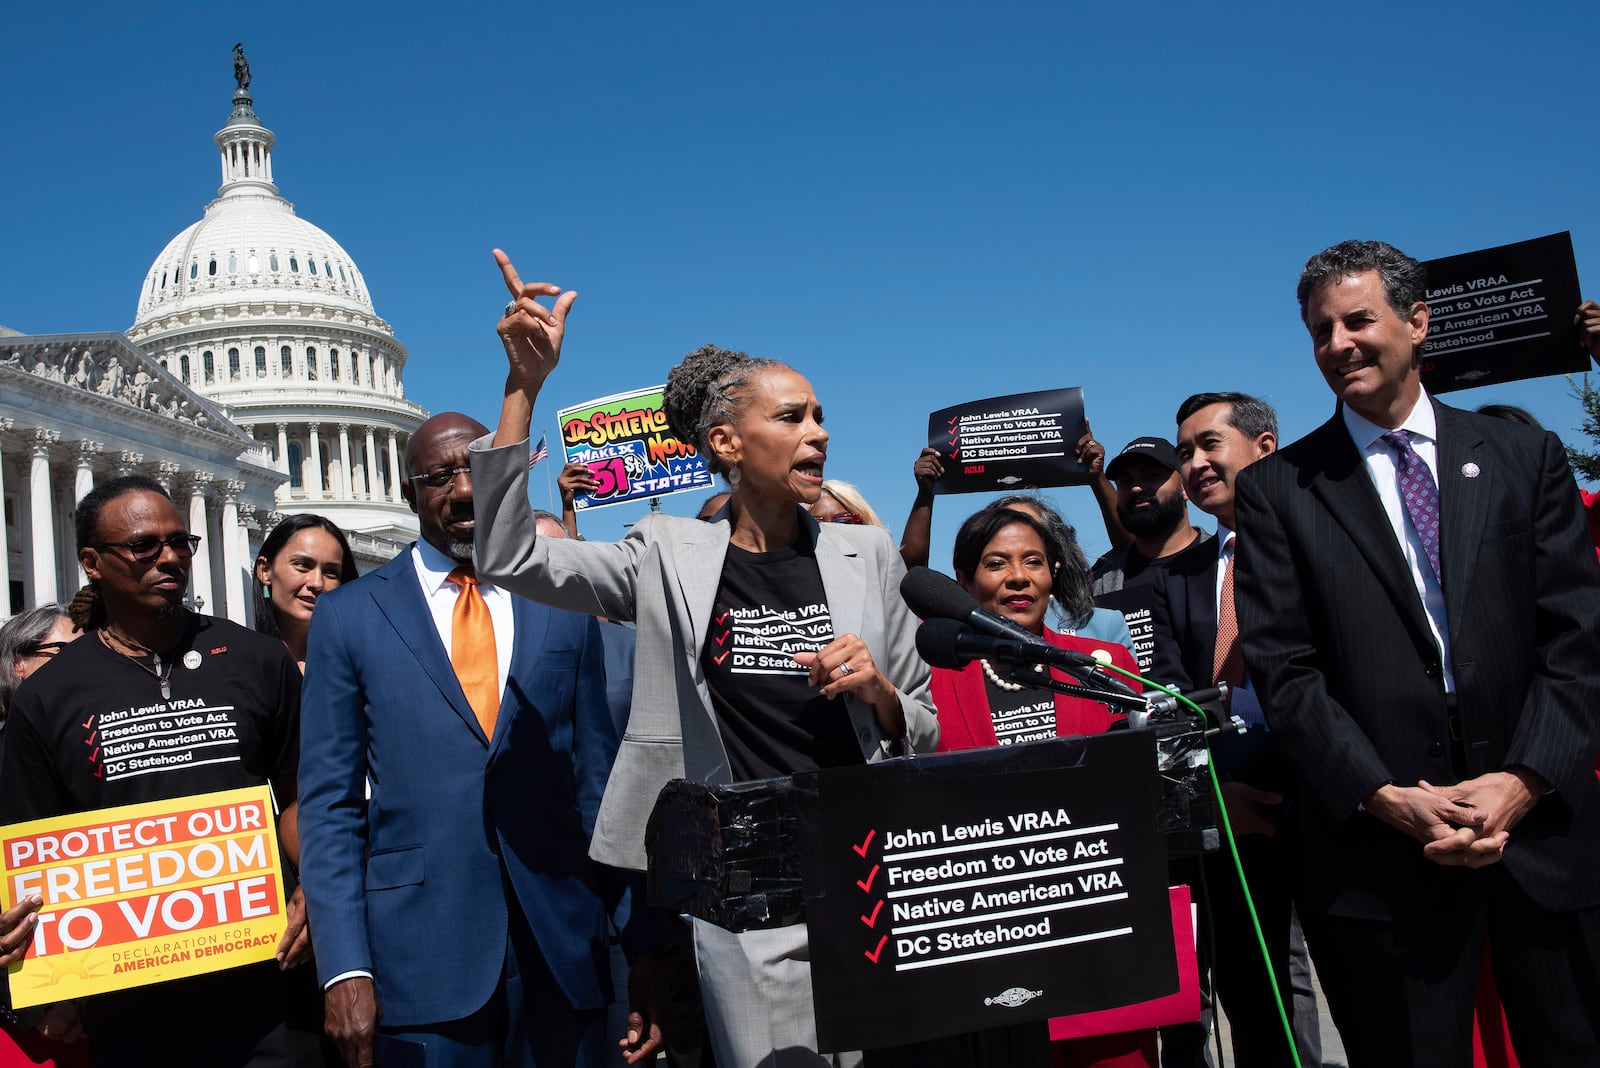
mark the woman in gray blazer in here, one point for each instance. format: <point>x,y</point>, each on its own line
<point>768,644</point>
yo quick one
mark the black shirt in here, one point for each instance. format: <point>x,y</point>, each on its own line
<point>773,722</point>
<point>91,730</point>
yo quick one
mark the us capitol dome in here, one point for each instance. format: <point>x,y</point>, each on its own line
<point>263,313</point>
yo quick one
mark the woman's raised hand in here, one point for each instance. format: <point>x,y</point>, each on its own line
<point>531,333</point>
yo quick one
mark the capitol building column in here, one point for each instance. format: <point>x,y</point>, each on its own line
<point>394,470</point>
<point>166,471</point>
<point>5,550</point>
<point>233,562</point>
<point>44,520</point>
<point>126,463</point>
<point>373,484</point>
<point>200,570</point>
<point>314,461</point>
<point>344,461</point>
<point>83,481</point>
<point>283,448</point>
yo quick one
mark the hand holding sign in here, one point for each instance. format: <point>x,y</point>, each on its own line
<point>17,926</point>
<point>531,333</point>
<point>573,480</point>
<point>1588,320</point>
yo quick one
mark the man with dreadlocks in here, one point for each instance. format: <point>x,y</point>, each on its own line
<point>143,656</point>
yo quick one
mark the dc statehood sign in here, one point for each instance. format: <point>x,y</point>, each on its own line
<point>625,441</point>
<point>984,888</point>
<point>1010,442</point>
<point>144,893</point>
<point>1502,314</point>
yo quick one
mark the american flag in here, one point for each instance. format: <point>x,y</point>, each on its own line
<point>540,451</point>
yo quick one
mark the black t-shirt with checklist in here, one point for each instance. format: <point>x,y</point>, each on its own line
<point>91,729</point>
<point>773,722</point>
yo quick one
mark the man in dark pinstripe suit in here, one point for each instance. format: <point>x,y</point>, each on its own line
<point>1420,614</point>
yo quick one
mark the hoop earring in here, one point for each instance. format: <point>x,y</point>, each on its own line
<point>733,477</point>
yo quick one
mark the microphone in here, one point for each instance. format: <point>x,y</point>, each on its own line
<point>934,596</point>
<point>949,643</point>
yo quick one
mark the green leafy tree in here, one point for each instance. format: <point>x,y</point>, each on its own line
<point>1586,464</point>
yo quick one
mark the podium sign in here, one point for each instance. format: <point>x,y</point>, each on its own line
<point>986,888</point>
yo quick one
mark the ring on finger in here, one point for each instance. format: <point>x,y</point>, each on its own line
<point>511,308</point>
<point>843,668</point>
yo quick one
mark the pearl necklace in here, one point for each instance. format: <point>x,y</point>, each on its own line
<point>1005,684</point>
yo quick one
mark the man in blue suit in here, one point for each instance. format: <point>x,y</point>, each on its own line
<point>458,902</point>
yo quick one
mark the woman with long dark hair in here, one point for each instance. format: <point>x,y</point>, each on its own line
<point>302,558</point>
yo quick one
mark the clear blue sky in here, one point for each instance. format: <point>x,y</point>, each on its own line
<point>914,205</point>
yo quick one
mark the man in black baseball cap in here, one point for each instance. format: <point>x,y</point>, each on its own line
<point>1153,508</point>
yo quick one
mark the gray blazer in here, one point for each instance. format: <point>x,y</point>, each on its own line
<point>664,576</point>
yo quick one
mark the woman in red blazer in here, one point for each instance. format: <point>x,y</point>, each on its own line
<point>1008,561</point>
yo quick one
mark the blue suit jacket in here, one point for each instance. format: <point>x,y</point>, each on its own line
<point>411,886</point>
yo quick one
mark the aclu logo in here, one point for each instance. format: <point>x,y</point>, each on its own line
<point>1013,997</point>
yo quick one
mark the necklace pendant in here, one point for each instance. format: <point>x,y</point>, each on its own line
<point>166,690</point>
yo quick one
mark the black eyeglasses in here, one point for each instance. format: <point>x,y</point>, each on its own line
<point>45,649</point>
<point>441,477</point>
<point>145,549</point>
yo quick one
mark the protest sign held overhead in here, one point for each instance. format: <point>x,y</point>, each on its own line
<point>145,893</point>
<point>1502,314</point>
<point>625,441</point>
<point>1017,441</point>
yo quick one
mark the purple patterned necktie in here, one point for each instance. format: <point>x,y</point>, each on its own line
<point>1421,496</point>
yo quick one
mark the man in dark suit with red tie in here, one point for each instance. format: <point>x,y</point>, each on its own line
<point>1196,646</point>
<point>1421,618</point>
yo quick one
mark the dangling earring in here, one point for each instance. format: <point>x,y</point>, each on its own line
<point>733,478</point>
<point>266,591</point>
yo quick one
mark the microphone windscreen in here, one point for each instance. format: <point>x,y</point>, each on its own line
<point>936,643</point>
<point>934,596</point>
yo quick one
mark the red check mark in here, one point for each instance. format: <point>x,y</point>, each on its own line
<point>871,875</point>
<point>954,438</point>
<point>90,740</point>
<point>95,755</point>
<point>724,639</point>
<point>954,419</point>
<point>872,920</point>
<point>861,850</point>
<point>721,618</point>
<point>87,722</point>
<point>875,954</point>
<point>955,454</point>
<point>720,659</point>
<point>99,772</point>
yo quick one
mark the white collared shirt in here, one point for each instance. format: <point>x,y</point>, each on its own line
<point>1383,468</point>
<point>433,570</point>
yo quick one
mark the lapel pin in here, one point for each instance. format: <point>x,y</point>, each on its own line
<point>1471,470</point>
<point>191,659</point>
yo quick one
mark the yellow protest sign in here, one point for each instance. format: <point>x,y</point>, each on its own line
<point>144,893</point>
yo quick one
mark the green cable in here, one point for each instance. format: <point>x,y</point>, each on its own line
<point>1238,865</point>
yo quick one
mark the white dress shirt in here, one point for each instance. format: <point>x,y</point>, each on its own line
<point>1383,468</point>
<point>1244,703</point>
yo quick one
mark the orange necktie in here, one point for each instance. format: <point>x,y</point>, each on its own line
<point>472,651</point>
<point>1227,664</point>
